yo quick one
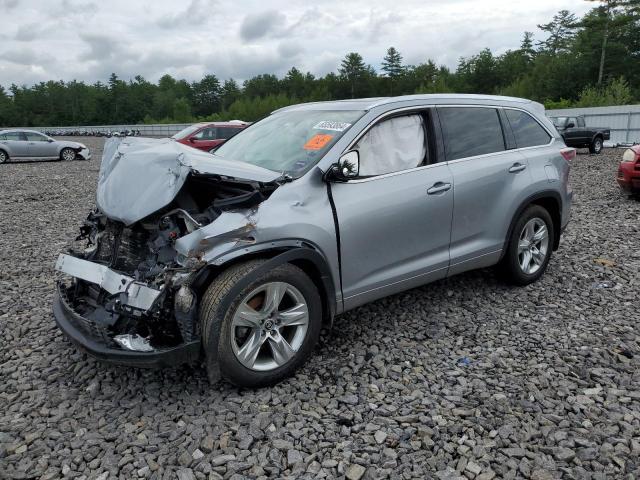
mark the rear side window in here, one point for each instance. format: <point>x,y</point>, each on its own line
<point>470,131</point>
<point>227,132</point>
<point>528,132</point>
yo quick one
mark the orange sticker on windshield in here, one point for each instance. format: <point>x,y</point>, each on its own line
<point>317,141</point>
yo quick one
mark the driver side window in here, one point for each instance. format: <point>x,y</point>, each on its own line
<point>393,145</point>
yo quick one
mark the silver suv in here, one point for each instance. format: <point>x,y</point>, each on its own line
<point>241,257</point>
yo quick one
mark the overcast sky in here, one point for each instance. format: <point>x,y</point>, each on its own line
<point>87,40</point>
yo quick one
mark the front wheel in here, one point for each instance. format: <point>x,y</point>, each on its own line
<point>67,154</point>
<point>258,327</point>
<point>529,247</point>
<point>596,145</point>
<point>3,156</point>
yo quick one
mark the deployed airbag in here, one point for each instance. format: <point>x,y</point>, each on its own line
<point>392,145</point>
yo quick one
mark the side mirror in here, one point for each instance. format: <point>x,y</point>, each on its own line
<point>50,140</point>
<point>193,139</point>
<point>349,165</point>
<point>570,125</point>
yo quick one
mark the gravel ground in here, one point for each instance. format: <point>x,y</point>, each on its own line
<point>464,378</point>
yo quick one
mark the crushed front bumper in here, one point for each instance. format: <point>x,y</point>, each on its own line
<point>94,337</point>
<point>87,335</point>
<point>85,153</point>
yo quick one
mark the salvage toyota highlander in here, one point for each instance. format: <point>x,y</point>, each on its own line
<point>239,258</point>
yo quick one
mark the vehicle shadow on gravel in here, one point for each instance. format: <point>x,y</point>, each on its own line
<point>352,334</point>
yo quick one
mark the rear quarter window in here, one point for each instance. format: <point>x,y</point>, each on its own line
<point>527,131</point>
<point>471,131</point>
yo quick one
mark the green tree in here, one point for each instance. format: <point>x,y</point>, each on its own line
<point>561,31</point>
<point>181,111</point>
<point>392,66</point>
<point>206,95</point>
<point>353,70</point>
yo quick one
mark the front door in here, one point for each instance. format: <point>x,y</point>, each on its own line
<point>394,219</point>
<point>39,146</point>
<point>205,139</point>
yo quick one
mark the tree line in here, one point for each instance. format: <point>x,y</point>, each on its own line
<point>589,61</point>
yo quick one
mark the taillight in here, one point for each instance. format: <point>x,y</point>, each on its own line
<point>568,153</point>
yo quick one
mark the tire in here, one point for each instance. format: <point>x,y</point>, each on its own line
<point>596,145</point>
<point>515,267</point>
<point>4,156</point>
<point>225,342</point>
<point>67,154</point>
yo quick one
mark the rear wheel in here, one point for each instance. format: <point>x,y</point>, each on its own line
<point>259,327</point>
<point>529,247</point>
<point>596,145</point>
<point>3,156</point>
<point>67,154</point>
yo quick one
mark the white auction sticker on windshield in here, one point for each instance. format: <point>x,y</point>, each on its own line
<point>329,125</point>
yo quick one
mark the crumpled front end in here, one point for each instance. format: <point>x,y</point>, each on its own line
<point>127,292</point>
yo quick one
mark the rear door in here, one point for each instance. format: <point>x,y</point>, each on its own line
<point>17,144</point>
<point>488,178</point>
<point>395,218</point>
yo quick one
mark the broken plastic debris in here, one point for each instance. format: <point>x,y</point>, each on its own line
<point>607,284</point>
<point>604,262</point>
<point>133,342</point>
<point>464,361</point>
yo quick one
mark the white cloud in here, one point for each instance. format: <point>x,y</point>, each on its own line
<point>87,40</point>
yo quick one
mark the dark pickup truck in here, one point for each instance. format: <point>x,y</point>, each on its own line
<point>577,134</point>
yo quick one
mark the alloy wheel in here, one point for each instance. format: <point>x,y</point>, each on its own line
<point>533,246</point>
<point>68,154</point>
<point>597,146</point>
<point>269,326</point>
<point>3,157</point>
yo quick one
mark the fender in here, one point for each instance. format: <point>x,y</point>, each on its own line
<point>281,251</point>
<point>597,134</point>
<point>525,203</point>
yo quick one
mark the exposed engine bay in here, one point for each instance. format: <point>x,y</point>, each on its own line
<point>131,287</point>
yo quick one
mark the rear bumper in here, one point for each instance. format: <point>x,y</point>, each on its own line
<point>79,330</point>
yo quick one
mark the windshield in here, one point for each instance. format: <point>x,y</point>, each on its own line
<point>186,132</point>
<point>291,141</point>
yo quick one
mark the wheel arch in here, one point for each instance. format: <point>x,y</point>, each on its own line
<point>303,255</point>
<point>6,152</point>
<point>551,201</point>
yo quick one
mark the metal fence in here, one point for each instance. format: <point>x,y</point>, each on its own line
<point>623,120</point>
<point>160,130</point>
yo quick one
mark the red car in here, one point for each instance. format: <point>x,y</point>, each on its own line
<point>205,136</point>
<point>629,171</point>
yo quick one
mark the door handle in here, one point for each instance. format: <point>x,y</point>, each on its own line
<point>517,167</point>
<point>438,187</point>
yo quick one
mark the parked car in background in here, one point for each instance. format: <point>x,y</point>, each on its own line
<point>33,145</point>
<point>629,171</point>
<point>239,258</point>
<point>206,136</point>
<point>576,134</point>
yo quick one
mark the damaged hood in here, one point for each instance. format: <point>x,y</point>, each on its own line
<point>139,176</point>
